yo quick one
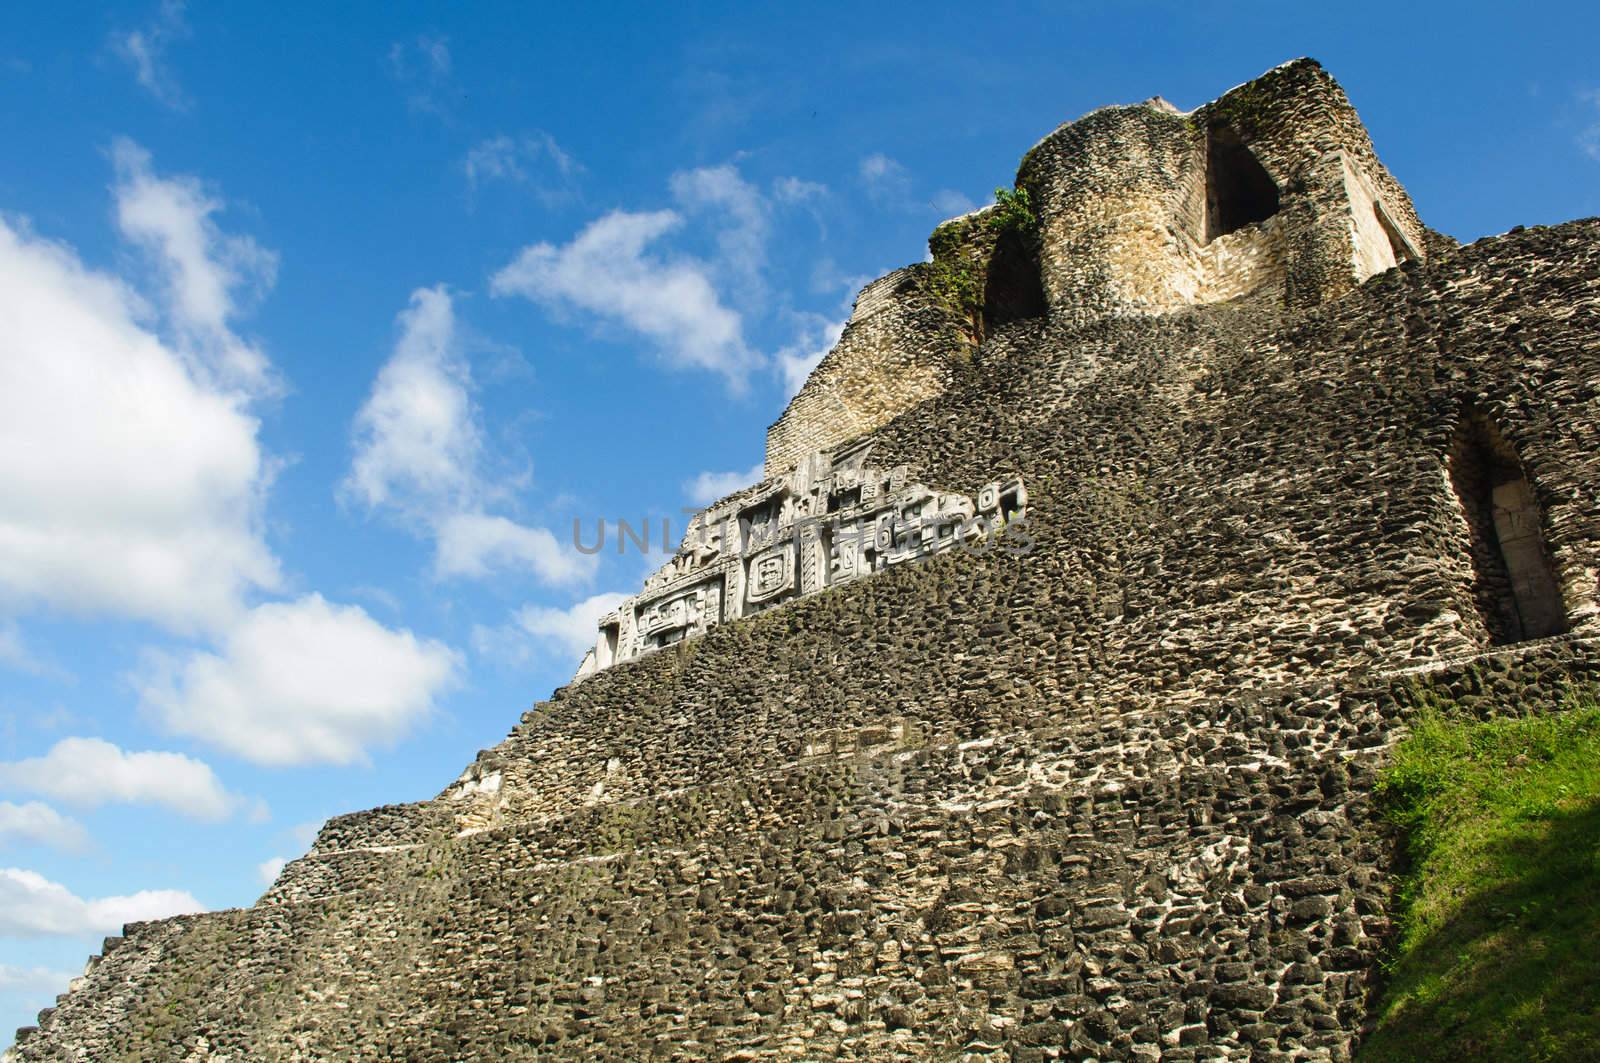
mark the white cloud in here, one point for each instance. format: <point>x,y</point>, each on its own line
<point>301,682</point>
<point>741,211</point>
<point>416,438</point>
<point>35,980</point>
<point>204,272</point>
<point>544,631</point>
<point>423,67</point>
<point>476,545</point>
<point>817,337</point>
<point>607,270</point>
<point>497,158</point>
<point>627,268</point>
<point>419,449</point>
<point>886,180</point>
<point>129,485</point>
<point>707,487</point>
<point>145,50</point>
<point>33,906</point>
<point>269,870</point>
<point>92,771</point>
<point>35,823</point>
<point>797,190</point>
<point>14,653</point>
<point>533,160</point>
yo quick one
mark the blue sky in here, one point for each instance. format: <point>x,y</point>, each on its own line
<point>320,325</point>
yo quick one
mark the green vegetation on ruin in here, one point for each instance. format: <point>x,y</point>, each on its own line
<point>1498,955</point>
<point>1013,212</point>
<point>961,250</point>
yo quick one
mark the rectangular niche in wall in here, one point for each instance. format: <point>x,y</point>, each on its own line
<point>1514,581</point>
<point>606,645</point>
<point>1239,191</point>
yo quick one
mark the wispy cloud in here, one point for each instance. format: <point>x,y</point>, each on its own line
<point>419,454</point>
<point>476,545</point>
<point>533,161</point>
<point>1589,136</point>
<point>797,190</point>
<point>15,654</point>
<point>890,185</point>
<point>949,202</point>
<point>740,217</point>
<point>417,439</point>
<point>886,180</point>
<point>422,67</point>
<point>40,980</point>
<point>207,277</point>
<point>545,632</point>
<point>630,270</point>
<point>145,51</point>
<point>305,833</point>
<point>269,870</point>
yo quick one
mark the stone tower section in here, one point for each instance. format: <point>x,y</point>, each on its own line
<point>1272,192</point>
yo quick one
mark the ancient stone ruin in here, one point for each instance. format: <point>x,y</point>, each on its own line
<point>1292,461</point>
<point>829,521</point>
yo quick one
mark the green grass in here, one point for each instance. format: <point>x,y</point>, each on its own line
<point>1498,956</point>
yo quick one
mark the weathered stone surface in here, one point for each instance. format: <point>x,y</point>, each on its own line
<point>1107,799</point>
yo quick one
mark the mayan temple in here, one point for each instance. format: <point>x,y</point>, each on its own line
<point>1030,708</point>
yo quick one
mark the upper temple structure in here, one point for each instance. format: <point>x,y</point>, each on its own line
<point>1271,193</point>
<point>1030,708</point>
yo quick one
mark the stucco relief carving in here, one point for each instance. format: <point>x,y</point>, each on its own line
<point>831,520</point>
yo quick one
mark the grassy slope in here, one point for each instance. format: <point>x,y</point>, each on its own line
<point>1499,951</point>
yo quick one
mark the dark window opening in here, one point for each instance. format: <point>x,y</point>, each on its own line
<point>1239,191</point>
<point>844,500</point>
<point>1514,582</point>
<point>1010,505</point>
<point>1012,289</point>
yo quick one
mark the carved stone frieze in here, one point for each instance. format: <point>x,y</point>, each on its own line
<point>830,520</point>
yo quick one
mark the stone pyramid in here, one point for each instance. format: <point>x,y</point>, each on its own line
<point>1029,709</point>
